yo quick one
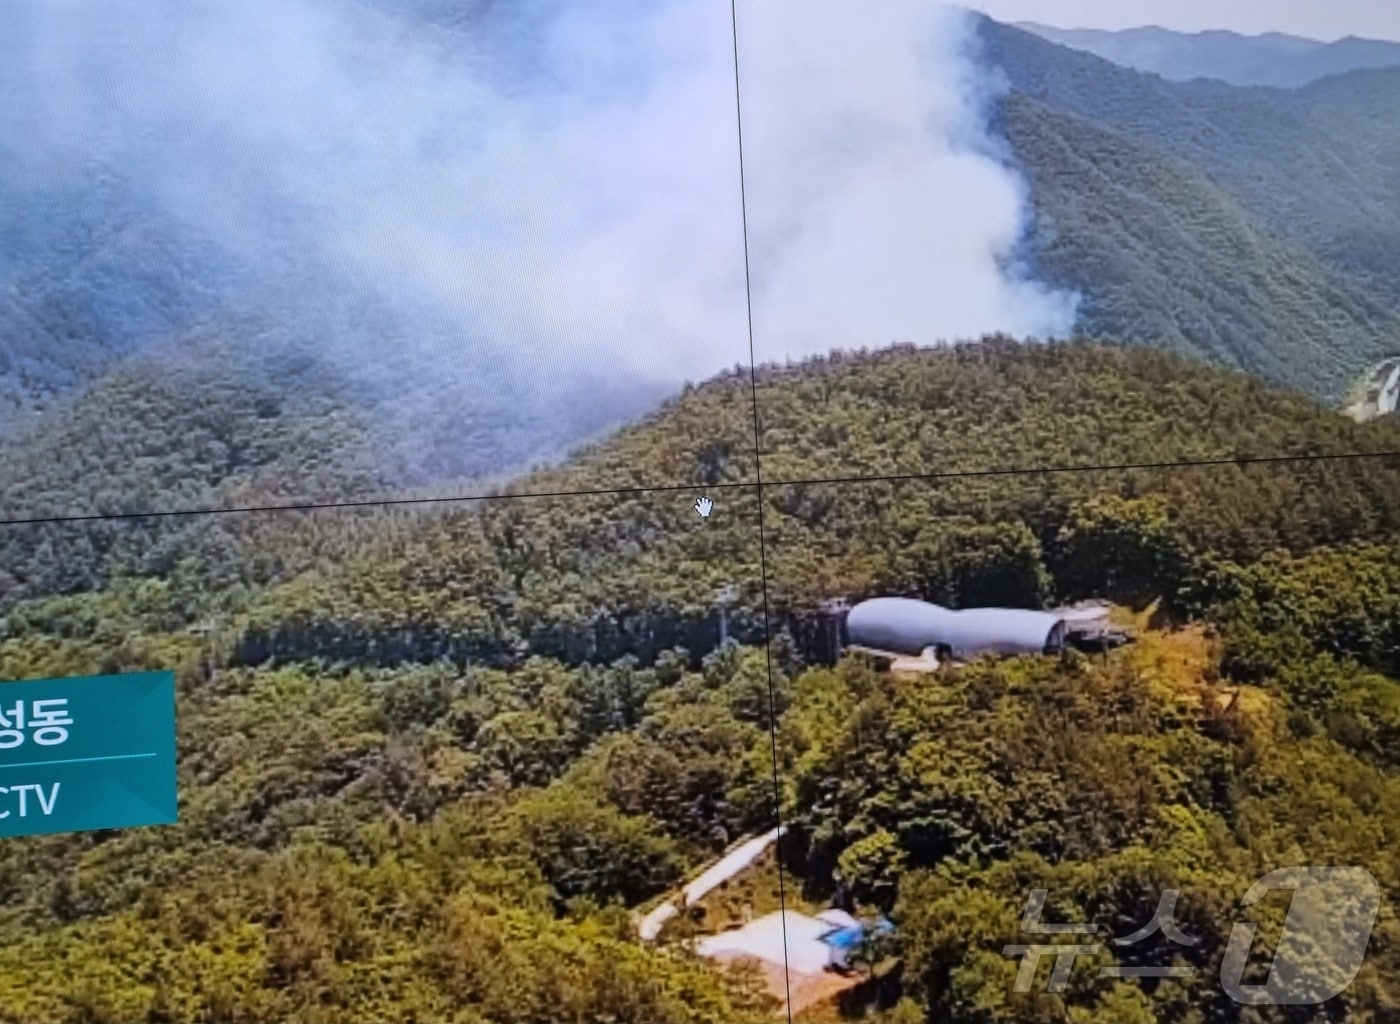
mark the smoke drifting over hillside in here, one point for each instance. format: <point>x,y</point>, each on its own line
<point>561,185</point>
<point>880,208</point>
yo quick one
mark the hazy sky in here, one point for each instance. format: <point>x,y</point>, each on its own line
<point>1317,19</point>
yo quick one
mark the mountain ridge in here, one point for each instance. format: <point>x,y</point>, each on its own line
<point>1302,179</point>
<point>1272,59</point>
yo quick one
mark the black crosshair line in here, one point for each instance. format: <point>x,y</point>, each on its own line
<point>758,493</point>
<point>754,484</point>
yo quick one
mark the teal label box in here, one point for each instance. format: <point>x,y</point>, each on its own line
<point>88,752</point>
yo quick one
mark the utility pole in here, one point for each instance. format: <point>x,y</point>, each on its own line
<point>725,597</point>
<point>207,631</point>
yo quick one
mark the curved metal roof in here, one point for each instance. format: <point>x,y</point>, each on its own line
<point>903,625</point>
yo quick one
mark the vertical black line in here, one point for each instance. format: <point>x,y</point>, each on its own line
<point>758,487</point>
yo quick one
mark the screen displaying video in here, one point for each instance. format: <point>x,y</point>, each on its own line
<point>699,512</point>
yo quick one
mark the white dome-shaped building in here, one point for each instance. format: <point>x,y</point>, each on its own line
<point>904,626</point>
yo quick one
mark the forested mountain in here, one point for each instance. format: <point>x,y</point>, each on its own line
<point>886,412</point>
<point>130,239</point>
<point>117,406</point>
<point>1162,252</point>
<point>1272,58</point>
<point>422,777</point>
<point>993,405</point>
<point>87,275</point>
<point>219,419</point>
<point>1258,228</point>
<point>1187,213</point>
<point>433,755</point>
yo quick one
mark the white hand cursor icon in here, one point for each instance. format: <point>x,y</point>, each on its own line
<point>703,506</point>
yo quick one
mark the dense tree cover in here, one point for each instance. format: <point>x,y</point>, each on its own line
<point>1325,629</point>
<point>602,576</point>
<point>431,757</point>
<point>424,844</point>
<point>1001,405</point>
<point>597,577</point>
<point>561,576</point>
<point>163,432</point>
<point>1163,254</point>
<point>950,799</point>
<point>316,935</point>
<point>163,436</point>
<point>968,408</point>
<point>1255,226</point>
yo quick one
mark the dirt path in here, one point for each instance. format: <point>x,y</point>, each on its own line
<point>809,990</point>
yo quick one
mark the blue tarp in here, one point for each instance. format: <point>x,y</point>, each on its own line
<point>848,938</point>
<point>845,938</point>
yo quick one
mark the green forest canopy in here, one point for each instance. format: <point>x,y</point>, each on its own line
<point>429,757</point>
<point>1256,227</point>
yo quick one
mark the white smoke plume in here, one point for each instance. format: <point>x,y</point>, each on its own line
<point>554,178</point>
<point>880,210</point>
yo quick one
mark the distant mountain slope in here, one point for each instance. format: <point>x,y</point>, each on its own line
<point>1273,58</point>
<point>1314,165</point>
<point>1165,256</point>
<point>162,431</point>
<point>207,427</point>
<point>1307,176</point>
<point>111,248</point>
<point>89,274</point>
<point>82,353</point>
<point>132,439</point>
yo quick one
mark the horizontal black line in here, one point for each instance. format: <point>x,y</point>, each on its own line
<point>370,503</point>
<point>699,488</point>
